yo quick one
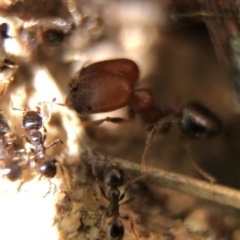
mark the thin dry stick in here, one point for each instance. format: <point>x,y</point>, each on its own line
<point>185,143</point>
<point>184,184</point>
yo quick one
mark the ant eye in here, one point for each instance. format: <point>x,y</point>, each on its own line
<point>197,121</point>
<point>53,36</point>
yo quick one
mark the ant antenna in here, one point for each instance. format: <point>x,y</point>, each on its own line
<point>74,11</point>
<point>53,102</point>
<point>148,143</point>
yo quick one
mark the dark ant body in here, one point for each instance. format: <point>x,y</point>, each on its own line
<point>110,85</point>
<point>195,121</point>
<point>114,177</point>
<point>32,122</point>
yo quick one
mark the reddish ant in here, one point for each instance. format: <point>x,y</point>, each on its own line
<point>109,85</point>
<point>114,177</point>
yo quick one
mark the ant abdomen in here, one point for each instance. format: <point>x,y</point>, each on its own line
<point>48,168</point>
<point>115,229</point>
<point>124,67</point>
<point>199,122</point>
<point>100,92</point>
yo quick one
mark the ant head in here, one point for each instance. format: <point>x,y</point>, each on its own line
<point>198,122</point>
<point>48,168</point>
<point>113,176</point>
<point>115,229</point>
<point>12,171</point>
<point>32,120</point>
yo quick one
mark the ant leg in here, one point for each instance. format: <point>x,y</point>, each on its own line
<point>44,133</point>
<point>26,138</point>
<point>127,217</point>
<point>185,143</point>
<point>54,143</point>
<point>20,185</point>
<point>116,120</point>
<point>149,140</point>
<point>147,146</point>
<point>49,190</point>
<point>38,109</point>
<point>92,158</point>
<point>90,153</point>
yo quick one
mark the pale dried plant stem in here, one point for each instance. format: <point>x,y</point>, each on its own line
<point>208,191</point>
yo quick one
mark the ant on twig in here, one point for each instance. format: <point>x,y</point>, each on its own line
<point>114,177</point>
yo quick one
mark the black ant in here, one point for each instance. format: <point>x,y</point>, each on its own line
<point>114,177</point>
<point>195,121</point>
<point>32,122</point>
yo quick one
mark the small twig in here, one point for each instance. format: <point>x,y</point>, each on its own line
<point>208,191</point>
